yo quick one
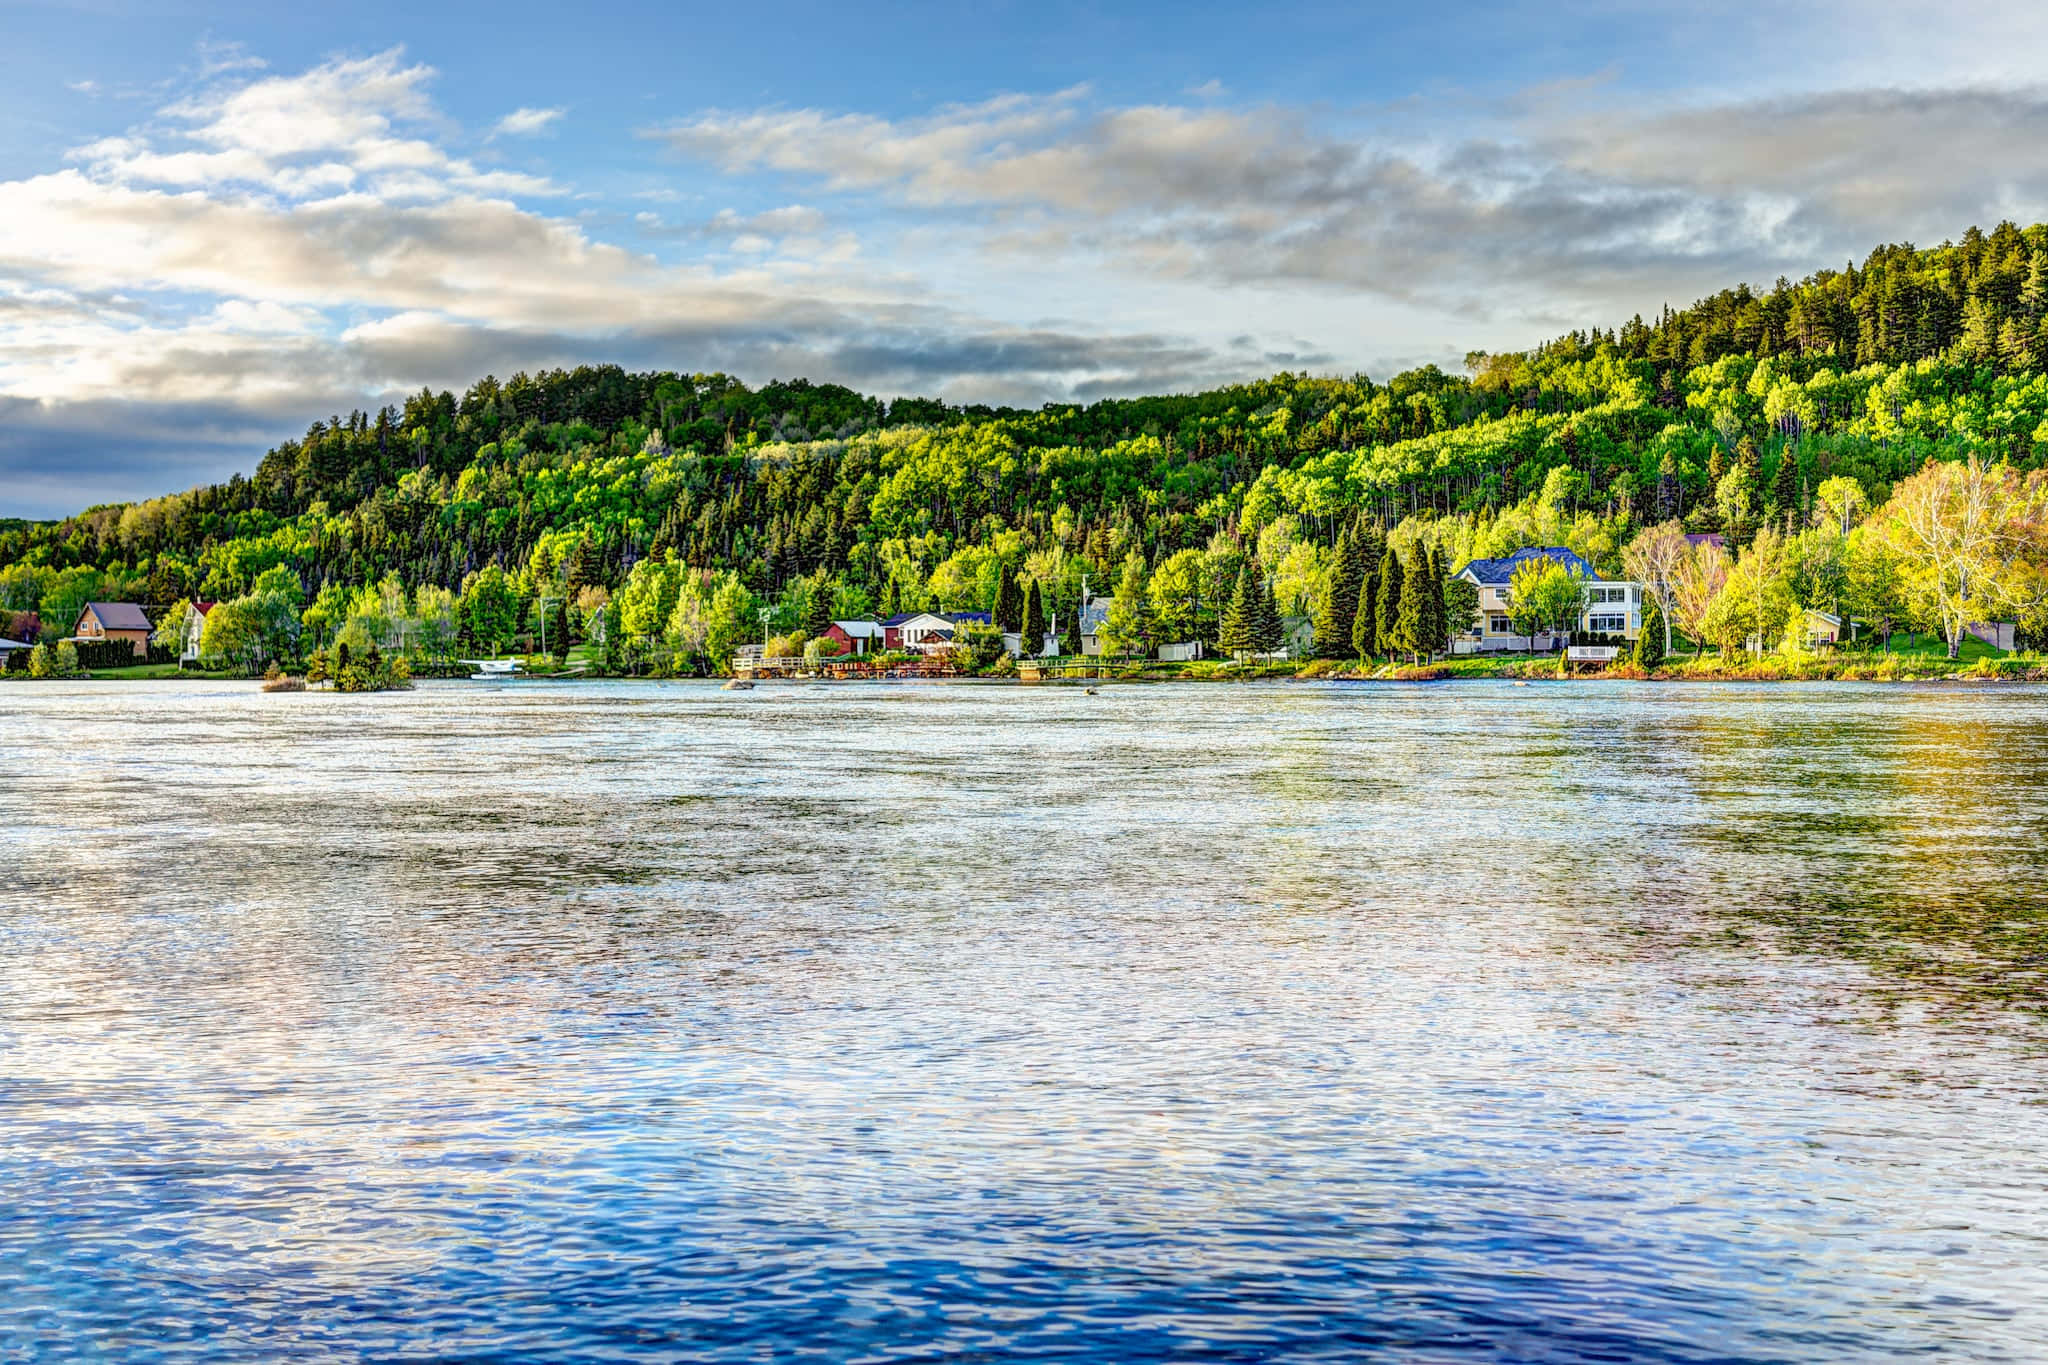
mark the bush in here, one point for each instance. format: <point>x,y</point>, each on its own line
<point>104,653</point>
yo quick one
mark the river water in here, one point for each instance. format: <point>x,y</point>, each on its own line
<point>647,1021</point>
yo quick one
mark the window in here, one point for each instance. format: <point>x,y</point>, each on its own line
<point>1499,625</point>
<point>1606,595</point>
<point>1610,624</point>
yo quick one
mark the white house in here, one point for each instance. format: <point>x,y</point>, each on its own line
<point>195,627</point>
<point>1608,606</point>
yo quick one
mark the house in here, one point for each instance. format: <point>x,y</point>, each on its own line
<point>1608,606</point>
<point>13,653</point>
<point>195,628</point>
<point>1821,629</point>
<point>856,637</point>
<point>1094,612</point>
<point>906,630</point>
<point>102,621</point>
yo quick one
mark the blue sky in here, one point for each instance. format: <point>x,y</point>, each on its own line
<point>219,222</point>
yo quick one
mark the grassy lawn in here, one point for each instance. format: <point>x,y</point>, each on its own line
<point>150,671</point>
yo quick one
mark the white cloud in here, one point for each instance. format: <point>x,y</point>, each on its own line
<point>526,122</point>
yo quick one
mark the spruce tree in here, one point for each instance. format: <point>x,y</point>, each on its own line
<point>1785,483</point>
<point>1650,644</point>
<point>1234,636</point>
<point>1667,487</point>
<point>1439,617</point>
<point>1034,622</point>
<point>1270,632</point>
<point>1009,605</point>
<point>1387,610</point>
<point>1365,634</point>
<point>1070,639</point>
<point>1411,622</point>
<point>1337,603</point>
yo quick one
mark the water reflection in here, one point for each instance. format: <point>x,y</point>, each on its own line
<point>1266,1022</point>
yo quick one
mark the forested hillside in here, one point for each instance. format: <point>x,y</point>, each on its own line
<point>683,504</point>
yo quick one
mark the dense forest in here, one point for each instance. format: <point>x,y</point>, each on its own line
<point>676,515</point>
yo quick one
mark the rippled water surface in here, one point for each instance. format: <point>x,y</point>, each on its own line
<point>650,1021</point>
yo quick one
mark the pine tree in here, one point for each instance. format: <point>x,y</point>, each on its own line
<point>1439,614</point>
<point>558,629</point>
<point>1009,604</point>
<point>1750,462</point>
<point>1034,622</point>
<point>1387,609</point>
<point>1365,634</point>
<point>1650,644</point>
<point>1667,487</point>
<point>818,613</point>
<point>1269,632</point>
<point>1337,603</point>
<point>2034,293</point>
<point>1411,621</point>
<point>1785,483</point>
<point>1234,634</point>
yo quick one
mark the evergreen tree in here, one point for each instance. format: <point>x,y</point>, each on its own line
<point>1337,603</point>
<point>1009,604</point>
<point>1411,620</point>
<point>1785,483</point>
<point>1750,462</point>
<point>1365,634</point>
<point>1387,610</point>
<point>1234,636</point>
<point>1667,487</point>
<point>1070,638</point>
<point>818,606</point>
<point>1034,622</point>
<point>892,599</point>
<point>1439,615</point>
<point>1650,644</point>
<point>2034,293</point>
<point>558,628</point>
<point>1129,628</point>
<point>1268,632</point>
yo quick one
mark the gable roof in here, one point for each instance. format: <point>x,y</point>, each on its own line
<point>1498,572</point>
<point>204,607</point>
<point>7,644</point>
<point>116,615</point>
<point>1094,613</point>
<point>860,630</point>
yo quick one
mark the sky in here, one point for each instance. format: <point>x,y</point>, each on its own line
<point>221,222</point>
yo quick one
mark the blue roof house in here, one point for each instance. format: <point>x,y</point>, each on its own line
<point>1608,606</point>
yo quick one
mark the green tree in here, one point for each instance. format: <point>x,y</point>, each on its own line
<point>1070,636</point>
<point>1034,622</point>
<point>1235,636</point>
<point>1336,612</point>
<point>1650,644</point>
<point>1266,630</point>
<point>1543,595</point>
<point>1387,609</point>
<point>1411,621</point>
<point>1128,629</point>
<point>490,609</point>
<point>1461,607</point>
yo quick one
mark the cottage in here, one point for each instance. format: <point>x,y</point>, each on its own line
<point>856,637</point>
<point>1821,629</point>
<point>13,653</point>
<point>906,630</point>
<point>101,621</point>
<point>195,629</point>
<point>1094,611</point>
<point>1607,606</point>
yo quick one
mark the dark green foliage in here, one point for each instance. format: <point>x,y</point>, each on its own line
<point>1034,621</point>
<point>1235,635</point>
<point>1009,603</point>
<point>1070,638</point>
<point>1337,606</point>
<point>1387,608</point>
<point>1412,616</point>
<point>1650,644</point>
<point>1265,629</point>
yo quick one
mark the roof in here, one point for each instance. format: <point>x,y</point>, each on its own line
<point>204,607</point>
<point>1497,572</point>
<point>1094,612</point>
<point>900,617</point>
<point>963,617</point>
<point>11,644</point>
<point>860,630</point>
<point>117,615</point>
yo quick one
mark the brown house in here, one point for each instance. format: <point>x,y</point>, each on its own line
<point>114,621</point>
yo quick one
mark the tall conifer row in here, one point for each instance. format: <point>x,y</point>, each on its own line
<point>1439,610</point>
<point>1387,610</point>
